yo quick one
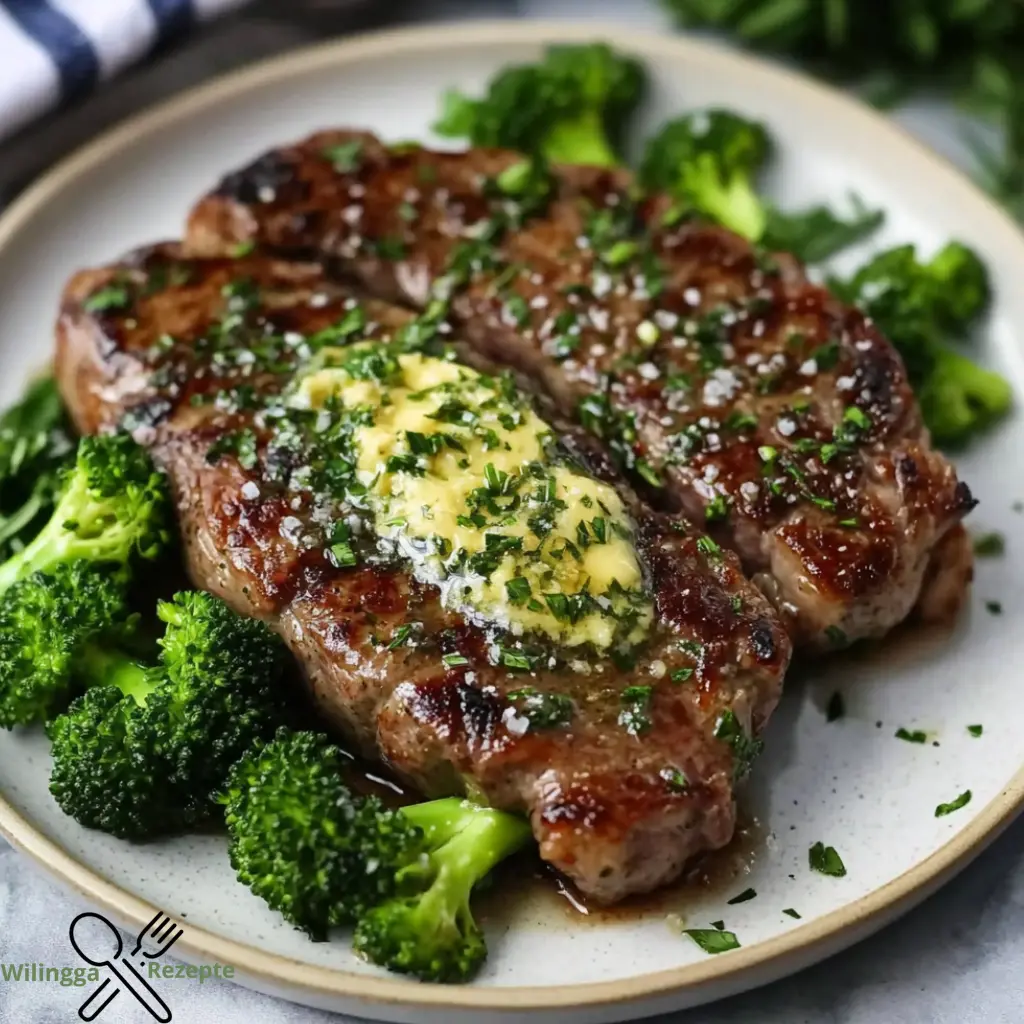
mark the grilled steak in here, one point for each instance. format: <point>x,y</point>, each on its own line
<point>624,760</point>
<point>728,385</point>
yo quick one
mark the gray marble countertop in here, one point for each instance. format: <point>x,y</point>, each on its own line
<point>958,959</point>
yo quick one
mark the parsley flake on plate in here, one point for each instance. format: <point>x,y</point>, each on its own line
<point>826,861</point>
<point>954,805</point>
<point>713,941</point>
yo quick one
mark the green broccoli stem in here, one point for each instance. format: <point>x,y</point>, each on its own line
<point>733,203</point>
<point>107,666</point>
<point>467,840</point>
<point>580,141</point>
<point>439,820</point>
<point>428,929</point>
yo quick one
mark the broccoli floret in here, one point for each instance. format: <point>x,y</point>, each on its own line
<point>223,688</point>
<point>959,398</point>
<point>708,162</point>
<point>322,857</point>
<point>109,772</point>
<point>921,306</point>
<point>48,623</point>
<point>428,929</point>
<point>35,447</point>
<point>143,751</point>
<point>112,506</point>
<point>303,843</point>
<point>960,283</point>
<point>570,107</point>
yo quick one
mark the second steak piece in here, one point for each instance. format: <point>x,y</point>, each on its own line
<point>726,383</point>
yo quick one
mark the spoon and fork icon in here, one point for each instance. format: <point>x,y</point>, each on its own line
<point>100,945</point>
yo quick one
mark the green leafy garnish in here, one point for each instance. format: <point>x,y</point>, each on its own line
<point>915,736</point>
<point>635,715</point>
<point>113,296</point>
<point>346,156</point>
<point>747,894</point>
<point>954,805</point>
<point>712,940</point>
<point>744,747</point>
<point>989,545</point>
<point>826,861</point>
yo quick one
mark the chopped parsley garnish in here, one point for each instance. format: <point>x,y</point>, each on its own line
<point>712,940</point>
<point>544,710</point>
<point>989,545</point>
<point>340,550</point>
<point>648,473</point>
<point>994,607</point>
<point>836,636</point>
<point>113,296</point>
<point>912,736</point>
<point>857,418</point>
<point>681,675</point>
<point>517,309</point>
<point>515,179</point>
<point>744,747</point>
<point>620,253</point>
<point>739,422</point>
<point>520,661</point>
<point>635,716</point>
<point>401,636</point>
<point>596,413</point>
<point>792,913</point>
<point>675,779</point>
<point>954,805</point>
<point>836,707</point>
<point>708,548</point>
<point>236,252</point>
<point>717,508</point>
<point>975,730</point>
<point>346,156</point>
<point>826,861</point>
<point>351,324</point>
<point>455,660</point>
<point>518,590</point>
<point>747,894</point>
<point>240,443</point>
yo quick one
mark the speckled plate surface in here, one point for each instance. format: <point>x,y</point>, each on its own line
<point>849,783</point>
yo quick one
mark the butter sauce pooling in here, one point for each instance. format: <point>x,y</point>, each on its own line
<point>466,482</point>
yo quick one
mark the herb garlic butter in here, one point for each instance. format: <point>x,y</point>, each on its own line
<point>465,481</point>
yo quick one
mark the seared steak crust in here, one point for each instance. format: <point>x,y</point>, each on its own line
<point>732,387</point>
<point>164,345</point>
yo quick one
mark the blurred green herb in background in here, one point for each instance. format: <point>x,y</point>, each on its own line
<point>970,49</point>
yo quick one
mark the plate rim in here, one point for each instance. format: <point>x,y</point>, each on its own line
<point>282,972</point>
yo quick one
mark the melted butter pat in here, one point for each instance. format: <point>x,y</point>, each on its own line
<point>509,534</point>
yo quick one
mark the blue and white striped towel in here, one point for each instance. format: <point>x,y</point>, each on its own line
<point>52,50</point>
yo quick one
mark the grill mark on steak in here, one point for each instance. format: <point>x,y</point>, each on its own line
<point>841,545</point>
<point>599,798</point>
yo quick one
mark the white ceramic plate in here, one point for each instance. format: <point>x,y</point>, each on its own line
<point>851,783</point>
